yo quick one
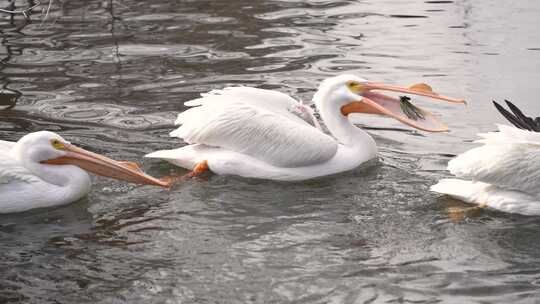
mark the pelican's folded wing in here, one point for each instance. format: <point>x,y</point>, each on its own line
<point>508,159</point>
<point>11,171</point>
<point>269,100</point>
<point>266,135</point>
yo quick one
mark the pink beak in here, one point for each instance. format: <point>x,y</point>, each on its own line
<point>399,109</point>
<point>104,166</point>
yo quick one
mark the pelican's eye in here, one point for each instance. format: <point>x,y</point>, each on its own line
<point>355,87</point>
<point>57,144</point>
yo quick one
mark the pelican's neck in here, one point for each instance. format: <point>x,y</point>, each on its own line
<point>339,125</point>
<point>74,180</point>
<point>63,183</point>
<point>60,175</point>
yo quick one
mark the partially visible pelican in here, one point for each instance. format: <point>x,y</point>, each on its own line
<point>43,170</point>
<point>502,174</point>
<point>256,133</point>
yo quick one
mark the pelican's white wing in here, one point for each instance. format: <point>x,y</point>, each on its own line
<point>269,100</point>
<point>11,171</point>
<point>509,159</point>
<point>276,137</point>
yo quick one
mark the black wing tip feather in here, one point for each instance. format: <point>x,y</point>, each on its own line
<point>509,116</point>
<point>531,123</point>
<point>517,118</point>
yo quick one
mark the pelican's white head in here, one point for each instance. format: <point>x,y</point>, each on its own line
<point>38,146</point>
<point>44,152</point>
<point>336,90</point>
<point>346,94</point>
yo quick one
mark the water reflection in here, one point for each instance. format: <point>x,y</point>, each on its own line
<point>8,97</point>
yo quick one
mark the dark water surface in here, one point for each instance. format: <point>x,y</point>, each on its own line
<point>112,75</point>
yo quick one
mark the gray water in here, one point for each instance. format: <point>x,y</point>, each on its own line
<point>111,76</point>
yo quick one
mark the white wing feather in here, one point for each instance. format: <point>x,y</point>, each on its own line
<point>269,100</point>
<point>11,171</point>
<point>276,137</point>
<point>509,159</point>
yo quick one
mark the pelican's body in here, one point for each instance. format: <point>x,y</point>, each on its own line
<point>21,190</point>
<point>254,133</point>
<point>503,173</point>
<point>228,162</point>
<point>43,170</point>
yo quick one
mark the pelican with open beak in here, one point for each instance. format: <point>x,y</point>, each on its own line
<point>255,133</point>
<point>43,170</point>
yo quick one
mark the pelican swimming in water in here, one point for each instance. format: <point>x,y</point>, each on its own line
<point>503,173</point>
<point>255,133</point>
<point>44,170</point>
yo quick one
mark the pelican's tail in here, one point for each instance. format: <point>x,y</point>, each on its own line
<point>489,195</point>
<point>183,157</point>
<point>464,190</point>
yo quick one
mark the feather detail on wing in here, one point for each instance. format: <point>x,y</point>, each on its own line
<point>269,100</point>
<point>271,136</point>
<point>11,171</point>
<point>508,159</point>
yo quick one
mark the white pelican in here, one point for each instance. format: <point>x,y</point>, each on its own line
<point>504,173</point>
<point>254,133</point>
<point>43,170</point>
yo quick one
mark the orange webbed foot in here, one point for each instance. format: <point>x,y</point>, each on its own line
<point>198,170</point>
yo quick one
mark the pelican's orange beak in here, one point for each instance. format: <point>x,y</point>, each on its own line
<point>104,166</point>
<point>401,109</point>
